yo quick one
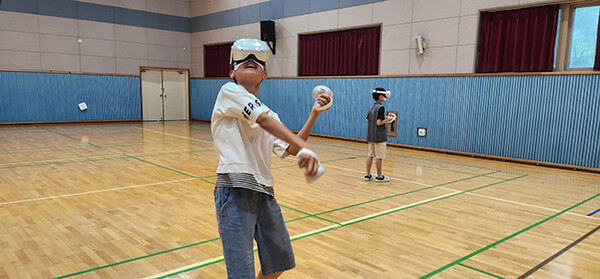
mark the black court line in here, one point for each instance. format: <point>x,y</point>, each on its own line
<point>537,267</point>
<point>439,270</point>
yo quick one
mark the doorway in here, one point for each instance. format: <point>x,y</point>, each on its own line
<point>165,94</point>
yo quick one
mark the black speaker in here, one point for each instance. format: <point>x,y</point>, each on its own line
<point>267,30</point>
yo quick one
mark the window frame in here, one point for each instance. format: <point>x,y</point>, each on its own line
<point>563,52</point>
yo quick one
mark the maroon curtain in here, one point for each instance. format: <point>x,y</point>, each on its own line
<point>341,53</point>
<point>216,60</point>
<point>518,40</point>
<point>597,59</point>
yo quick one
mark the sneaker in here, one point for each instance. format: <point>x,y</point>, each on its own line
<point>368,177</point>
<point>381,178</point>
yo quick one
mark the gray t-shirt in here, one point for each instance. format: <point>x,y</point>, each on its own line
<point>376,133</point>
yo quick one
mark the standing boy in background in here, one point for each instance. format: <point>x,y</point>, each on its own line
<point>245,134</point>
<point>377,134</point>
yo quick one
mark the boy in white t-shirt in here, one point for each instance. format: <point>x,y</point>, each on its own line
<point>245,134</point>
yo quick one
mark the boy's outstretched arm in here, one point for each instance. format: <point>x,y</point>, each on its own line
<point>279,130</point>
<point>312,117</point>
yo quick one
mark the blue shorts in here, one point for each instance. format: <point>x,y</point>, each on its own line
<point>244,215</point>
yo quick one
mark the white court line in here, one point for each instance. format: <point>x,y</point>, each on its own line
<point>94,192</point>
<point>398,208</point>
<point>210,261</point>
<point>173,135</point>
<point>220,258</point>
<point>469,193</point>
<point>521,203</point>
<point>117,153</point>
<point>330,227</point>
<point>59,159</point>
<point>399,179</point>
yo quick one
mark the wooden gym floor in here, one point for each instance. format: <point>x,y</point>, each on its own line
<point>134,200</point>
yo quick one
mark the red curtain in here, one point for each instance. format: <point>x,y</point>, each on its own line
<point>518,40</point>
<point>597,59</point>
<point>216,60</point>
<point>341,53</point>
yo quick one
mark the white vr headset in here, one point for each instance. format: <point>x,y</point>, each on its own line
<point>243,50</point>
<point>387,93</point>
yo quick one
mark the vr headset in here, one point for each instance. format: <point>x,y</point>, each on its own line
<point>386,93</point>
<point>249,49</point>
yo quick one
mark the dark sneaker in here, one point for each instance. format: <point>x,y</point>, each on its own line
<point>368,177</point>
<point>382,178</point>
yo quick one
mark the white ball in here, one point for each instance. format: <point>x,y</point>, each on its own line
<point>320,89</point>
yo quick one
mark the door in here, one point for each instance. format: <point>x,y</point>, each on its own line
<point>151,95</point>
<point>164,94</point>
<point>175,95</point>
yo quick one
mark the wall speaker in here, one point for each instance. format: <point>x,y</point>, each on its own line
<point>267,30</point>
<point>267,33</point>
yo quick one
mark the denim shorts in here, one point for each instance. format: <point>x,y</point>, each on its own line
<point>244,215</point>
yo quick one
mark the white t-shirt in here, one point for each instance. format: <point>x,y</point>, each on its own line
<point>243,146</point>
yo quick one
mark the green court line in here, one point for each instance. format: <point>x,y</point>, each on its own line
<point>505,239</point>
<point>344,224</point>
<point>85,158</point>
<point>558,254</point>
<point>437,199</point>
<point>72,138</point>
<point>48,149</point>
<point>278,167</point>
<point>136,259</point>
<point>339,152</point>
<point>15,151</point>
<point>190,269</point>
<point>410,157</point>
<point>141,143</point>
<point>155,254</point>
<point>412,164</point>
<point>481,271</point>
<point>58,160</point>
<point>308,215</point>
<point>176,171</point>
<point>409,192</point>
<point>54,163</point>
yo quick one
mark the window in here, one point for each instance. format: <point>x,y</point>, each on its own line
<point>505,45</point>
<point>582,50</point>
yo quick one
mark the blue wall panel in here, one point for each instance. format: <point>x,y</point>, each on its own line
<point>43,97</point>
<point>549,118</point>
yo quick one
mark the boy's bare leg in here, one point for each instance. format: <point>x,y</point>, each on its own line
<point>369,163</point>
<point>270,276</point>
<point>378,165</point>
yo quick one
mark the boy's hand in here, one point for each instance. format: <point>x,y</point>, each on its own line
<point>391,117</point>
<point>321,101</point>
<point>309,164</point>
<point>308,160</point>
